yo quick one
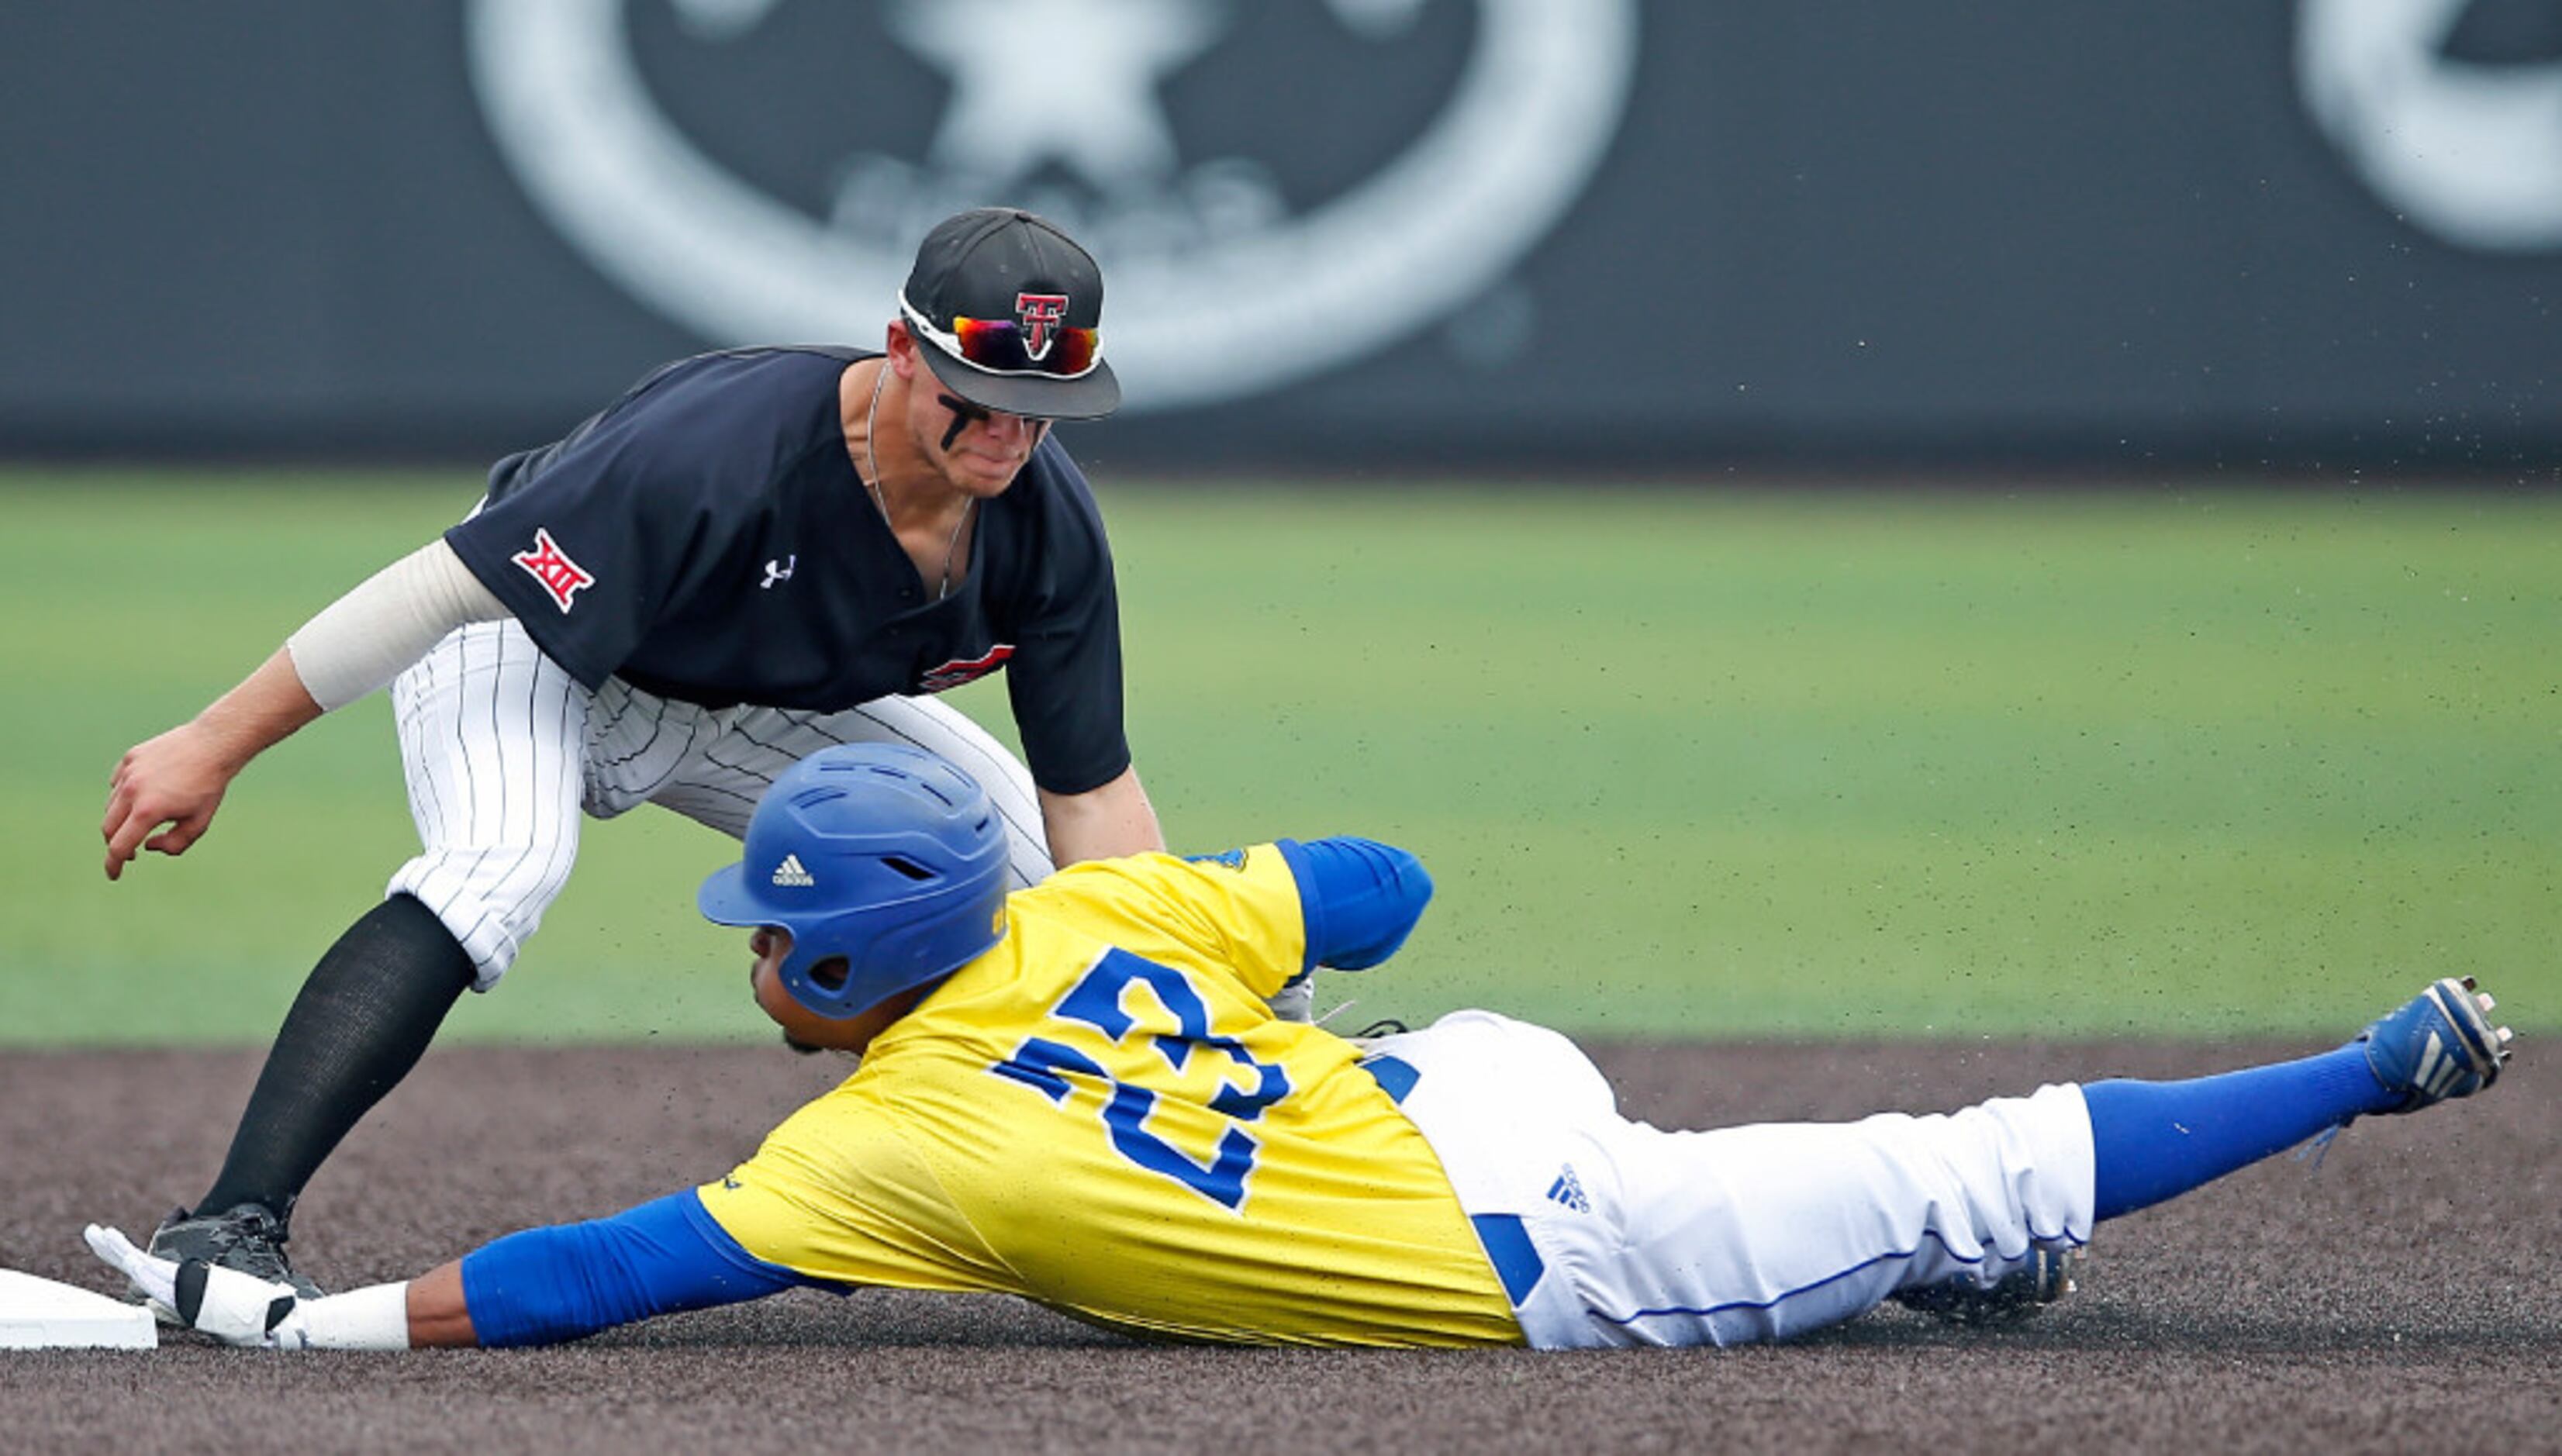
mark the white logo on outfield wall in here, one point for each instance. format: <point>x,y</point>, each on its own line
<point>2471,153</point>
<point>1198,258</point>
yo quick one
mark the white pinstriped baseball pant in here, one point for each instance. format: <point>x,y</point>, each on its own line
<point>505,751</point>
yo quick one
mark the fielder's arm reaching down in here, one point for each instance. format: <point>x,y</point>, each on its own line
<point>1076,1094</point>
<point>357,644</point>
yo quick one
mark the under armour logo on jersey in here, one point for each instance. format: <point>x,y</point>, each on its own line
<point>1039,314</point>
<point>790,872</point>
<point>778,571</point>
<point>963,670</point>
<point>551,565</point>
<point>1568,1191</point>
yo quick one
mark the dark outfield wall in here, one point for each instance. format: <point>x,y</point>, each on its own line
<point>1664,232</point>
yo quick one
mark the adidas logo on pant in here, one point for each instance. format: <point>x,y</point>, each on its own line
<point>790,872</point>
<point>1568,1191</point>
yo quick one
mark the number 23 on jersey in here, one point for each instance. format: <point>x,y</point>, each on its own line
<point>1246,1087</point>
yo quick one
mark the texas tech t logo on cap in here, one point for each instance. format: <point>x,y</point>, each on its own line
<point>1039,314</point>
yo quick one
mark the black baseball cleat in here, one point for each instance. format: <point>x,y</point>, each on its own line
<point>2017,1296</point>
<point>249,1237</point>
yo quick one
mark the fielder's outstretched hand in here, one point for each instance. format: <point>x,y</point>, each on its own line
<point>232,1307</point>
<point>176,780</point>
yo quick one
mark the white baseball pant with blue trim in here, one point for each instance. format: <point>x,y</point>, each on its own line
<point>1611,1232</point>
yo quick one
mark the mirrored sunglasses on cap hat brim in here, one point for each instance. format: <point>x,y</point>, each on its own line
<point>1003,346</point>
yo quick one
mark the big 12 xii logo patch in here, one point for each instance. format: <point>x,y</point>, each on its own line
<point>1225,280</point>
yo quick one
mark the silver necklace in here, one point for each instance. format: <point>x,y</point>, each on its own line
<point>871,482</point>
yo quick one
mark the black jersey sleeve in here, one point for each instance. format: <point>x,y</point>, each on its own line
<point>586,540</point>
<point>1064,681</point>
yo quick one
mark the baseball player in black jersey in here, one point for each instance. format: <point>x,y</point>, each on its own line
<point>749,556</point>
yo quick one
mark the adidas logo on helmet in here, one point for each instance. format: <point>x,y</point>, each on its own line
<point>877,855</point>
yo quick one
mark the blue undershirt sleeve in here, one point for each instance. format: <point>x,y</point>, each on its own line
<point>2152,1141</point>
<point>547,1285</point>
<point>1360,898</point>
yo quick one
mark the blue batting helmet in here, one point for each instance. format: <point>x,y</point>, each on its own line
<point>882,854</point>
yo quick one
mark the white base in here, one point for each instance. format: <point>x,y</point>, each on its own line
<point>39,1314</point>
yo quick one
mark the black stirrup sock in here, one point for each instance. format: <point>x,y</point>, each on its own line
<point>361,1022</point>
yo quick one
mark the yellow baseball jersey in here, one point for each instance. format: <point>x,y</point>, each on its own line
<point>1102,1115</point>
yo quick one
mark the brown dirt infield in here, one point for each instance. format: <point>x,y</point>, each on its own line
<point>2405,1294</point>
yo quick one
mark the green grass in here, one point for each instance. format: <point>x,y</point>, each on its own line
<point>1683,763</point>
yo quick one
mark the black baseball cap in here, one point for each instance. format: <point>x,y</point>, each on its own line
<point>1009,313</point>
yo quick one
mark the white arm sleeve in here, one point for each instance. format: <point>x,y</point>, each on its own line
<point>373,633</point>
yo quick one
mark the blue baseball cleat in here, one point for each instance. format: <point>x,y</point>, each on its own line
<point>2440,1045</point>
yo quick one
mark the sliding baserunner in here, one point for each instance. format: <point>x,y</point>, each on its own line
<point>1075,1093</point>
